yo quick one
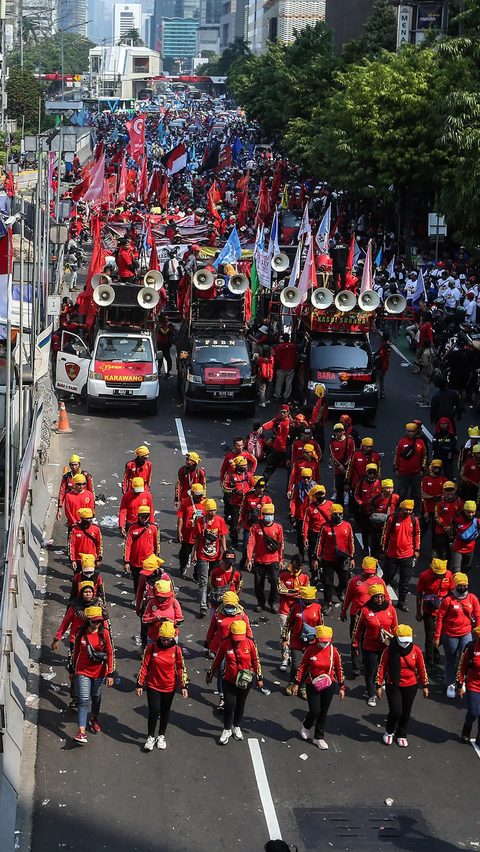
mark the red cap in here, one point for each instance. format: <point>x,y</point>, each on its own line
<point>284,408</point>
<point>440,264</point>
<point>195,247</point>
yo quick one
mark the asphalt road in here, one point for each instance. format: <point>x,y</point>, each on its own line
<point>196,795</point>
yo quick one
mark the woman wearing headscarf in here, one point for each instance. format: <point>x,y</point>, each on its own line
<point>220,623</point>
<point>468,683</point>
<point>242,665</point>
<point>375,626</point>
<point>401,668</point>
<point>444,444</point>
<point>299,631</point>
<point>162,668</point>
<point>93,663</point>
<point>320,667</point>
<point>162,607</point>
<point>453,628</point>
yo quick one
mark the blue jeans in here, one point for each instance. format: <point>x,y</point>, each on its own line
<point>88,687</point>
<point>204,568</point>
<point>473,707</point>
<point>453,647</point>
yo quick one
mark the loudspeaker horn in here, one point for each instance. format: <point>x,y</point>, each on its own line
<point>153,278</point>
<point>148,298</point>
<point>203,279</point>
<point>100,278</point>
<point>238,284</point>
<point>280,262</point>
<point>395,304</point>
<point>104,295</point>
<point>345,301</point>
<point>369,300</point>
<point>290,297</point>
<point>321,298</point>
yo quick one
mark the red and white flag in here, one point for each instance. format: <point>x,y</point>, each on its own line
<point>175,160</point>
<point>308,278</point>
<point>97,174</point>
<point>367,283</point>
<point>122,186</point>
<point>136,131</point>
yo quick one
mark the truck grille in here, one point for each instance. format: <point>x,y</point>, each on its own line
<point>123,384</point>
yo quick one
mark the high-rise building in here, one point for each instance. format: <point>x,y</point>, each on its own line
<point>254,25</point>
<point>232,21</point>
<point>126,17</point>
<point>162,9</point>
<point>282,17</point>
<point>100,26</point>
<point>179,40</point>
<point>72,16</point>
<point>210,12</point>
<point>346,18</point>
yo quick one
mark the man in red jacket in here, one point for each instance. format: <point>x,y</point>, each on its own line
<point>85,538</point>
<point>189,512</point>
<point>78,498</point>
<point>141,542</point>
<point>433,586</point>
<point>265,556</point>
<point>317,513</point>
<point>238,481</point>
<point>446,510</point>
<point>367,487</point>
<point>281,427</point>
<point>131,502</point>
<point>342,449</point>
<point>319,415</point>
<point>66,483</point>
<point>188,474</point>
<point>139,466</point>
<point>250,511</point>
<point>410,462</point>
<point>336,551</point>
<point>401,544</point>
<point>285,363</point>
<point>432,491</point>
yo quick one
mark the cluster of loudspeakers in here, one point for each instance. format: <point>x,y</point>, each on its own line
<point>204,280</point>
<point>321,298</point>
<point>147,297</point>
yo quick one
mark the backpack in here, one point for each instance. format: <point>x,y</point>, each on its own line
<point>308,633</point>
<point>254,445</point>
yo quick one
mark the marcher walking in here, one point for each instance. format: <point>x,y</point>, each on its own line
<point>401,668</point>
<point>320,668</point>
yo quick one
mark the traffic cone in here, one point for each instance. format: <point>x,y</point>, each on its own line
<point>63,424</point>
<point>65,469</point>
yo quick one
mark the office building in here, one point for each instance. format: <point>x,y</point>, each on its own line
<point>162,9</point>
<point>346,18</point>
<point>232,21</point>
<point>179,40</point>
<point>122,71</point>
<point>254,25</point>
<point>282,17</point>
<point>72,15</point>
<point>210,12</point>
<point>126,17</point>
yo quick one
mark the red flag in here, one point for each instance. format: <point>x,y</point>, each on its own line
<point>9,187</point>
<point>154,264</point>
<point>277,179</point>
<point>96,265</point>
<point>136,131</point>
<point>263,203</point>
<point>163,195</point>
<point>242,210</point>
<point>122,185</point>
<point>80,188</point>
<point>131,178</point>
<point>99,150</point>
<point>213,212</point>
<point>117,158</point>
<point>142,184</point>
<point>215,195</point>
<point>97,174</point>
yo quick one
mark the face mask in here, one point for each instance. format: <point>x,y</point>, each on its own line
<point>85,524</point>
<point>229,610</point>
<point>460,594</point>
<point>404,641</point>
<point>138,490</point>
<point>88,574</point>
<point>268,519</point>
<point>140,461</point>
<point>337,519</point>
<point>324,644</point>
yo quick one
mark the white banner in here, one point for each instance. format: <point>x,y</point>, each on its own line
<point>264,268</point>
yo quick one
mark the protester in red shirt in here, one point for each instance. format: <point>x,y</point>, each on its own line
<point>401,545</point>
<point>357,467</point>
<point>85,537</point>
<point>319,660</point>
<point>298,446</point>
<point>142,541</point>
<point>285,363</point>
<point>225,613</point>
<point>139,466</point>
<point>468,677</point>
<point>375,625</point>
<point>89,673</point>
<point>465,530</point>
<point>304,615</point>
<point>453,627</point>
<point>341,451</point>
<point>357,596</point>
<point>135,497</point>
<point>237,450</point>
<point>401,667</point>
<point>382,358</point>
<point>470,476</point>
<point>189,512</point>
<point>265,366</point>
<point>238,481</point>
<point>299,501</point>
<point>367,488</point>
<point>336,550</point>
<point>66,483</point>
<point>281,428</point>
<point>250,511</point>
<point>78,498</point>
<point>382,505</point>
<point>433,586</point>
<point>225,578</point>
<point>410,462</point>
<point>432,491</point>
<point>265,555</point>
<point>446,510</point>
<point>319,416</point>
<point>88,572</point>
<point>163,606</point>
<point>126,263</point>
<point>317,513</point>
<point>188,474</point>
<point>210,542</point>
<point>308,459</point>
<point>162,668</point>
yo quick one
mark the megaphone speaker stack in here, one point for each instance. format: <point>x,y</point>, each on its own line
<point>369,300</point>
<point>321,298</point>
<point>238,284</point>
<point>203,279</point>
<point>345,301</point>
<point>148,298</point>
<point>100,278</point>
<point>280,262</point>
<point>153,278</point>
<point>290,297</point>
<point>104,295</point>
<point>395,304</point>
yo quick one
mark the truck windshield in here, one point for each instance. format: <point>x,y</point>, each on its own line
<point>339,354</point>
<point>220,352</point>
<point>124,349</point>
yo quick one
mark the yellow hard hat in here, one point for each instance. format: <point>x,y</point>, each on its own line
<point>167,630</point>
<point>448,484</point>
<point>79,477</point>
<point>238,628</point>
<point>470,506</point>
<point>209,505</point>
<point>239,461</point>
<point>138,482</point>
<point>403,630</point>
<point>74,459</point>
<point>143,510</point>
<point>230,598</point>
<point>142,451</point>
<point>339,426</point>
<point>194,457</point>
<point>85,513</point>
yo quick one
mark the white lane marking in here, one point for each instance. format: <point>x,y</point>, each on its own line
<point>269,813</point>
<point>392,594</point>
<point>359,539</point>
<point>397,350</point>
<point>427,433</point>
<point>476,747</point>
<point>181,436</point>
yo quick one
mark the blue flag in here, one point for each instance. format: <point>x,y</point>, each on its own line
<point>378,258</point>
<point>231,251</point>
<point>419,289</point>
<point>236,148</point>
<point>252,149</point>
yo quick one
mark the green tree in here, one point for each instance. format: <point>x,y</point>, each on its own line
<point>219,66</point>
<point>132,37</point>
<point>47,54</point>
<point>23,92</point>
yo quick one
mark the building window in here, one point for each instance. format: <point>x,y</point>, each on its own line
<point>140,64</point>
<point>272,29</point>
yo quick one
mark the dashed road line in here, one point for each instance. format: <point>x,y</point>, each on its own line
<point>269,812</point>
<point>181,436</point>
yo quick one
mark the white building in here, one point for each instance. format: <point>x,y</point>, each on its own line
<point>281,17</point>
<point>122,71</point>
<point>126,17</point>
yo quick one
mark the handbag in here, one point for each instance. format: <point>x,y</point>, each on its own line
<point>94,655</point>
<point>340,555</point>
<point>271,543</point>
<point>244,676</point>
<point>308,633</point>
<point>431,603</point>
<point>324,680</point>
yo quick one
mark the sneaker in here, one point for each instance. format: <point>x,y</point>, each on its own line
<point>320,744</point>
<point>149,744</point>
<point>224,737</point>
<point>263,405</point>
<point>168,376</point>
<point>81,738</point>
<point>451,691</point>
<point>372,701</point>
<point>356,673</point>
<point>327,609</point>
<point>388,739</point>
<point>237,733</point>
<point>161,742</point>
<point>221,703</point>
<point>258,608</point>
<point>203,612</point>
<point>304,733</point>
<point>302,693</point>
<point>183,572</point>
<point>284,666</point>
<point>402,742</point>
<point>73,704</point>
<point>288,689</point>
<point>93,725</point>
<point>274,608</point>
<point>402,606</point>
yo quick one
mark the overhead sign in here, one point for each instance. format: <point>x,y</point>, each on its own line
<point>430,17</point>
<point>404,25</point>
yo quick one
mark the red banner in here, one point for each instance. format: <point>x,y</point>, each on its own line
<point>136,131</point>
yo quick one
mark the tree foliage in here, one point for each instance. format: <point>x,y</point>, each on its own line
<point>219,66</point>
<point>47,54</point>
<point>379,33</point>
<point>132,37</point>
<point>23,92</point>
